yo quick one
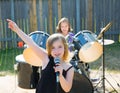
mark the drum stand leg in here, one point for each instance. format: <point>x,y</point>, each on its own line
<point>79,65</point>
<point>103,74</point>
<point>113,91</point>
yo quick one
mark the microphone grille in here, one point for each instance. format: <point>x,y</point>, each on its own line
<point>57,60</point>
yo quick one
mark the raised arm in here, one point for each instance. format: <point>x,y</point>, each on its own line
<point>38,50</point>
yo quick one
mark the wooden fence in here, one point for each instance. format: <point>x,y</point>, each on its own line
<point>43,15</point>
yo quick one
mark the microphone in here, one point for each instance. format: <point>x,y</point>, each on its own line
<point>104,29</point>
<point>56,61</point>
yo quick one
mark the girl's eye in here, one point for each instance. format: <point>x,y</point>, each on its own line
<point>60,46</point>
<point>53,47</point>
<point>56,48</point>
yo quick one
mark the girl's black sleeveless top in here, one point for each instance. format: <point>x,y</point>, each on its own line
<point>47,83</point>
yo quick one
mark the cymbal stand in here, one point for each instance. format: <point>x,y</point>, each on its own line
<point>103,71</point>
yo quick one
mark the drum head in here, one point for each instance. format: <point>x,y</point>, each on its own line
<point>90,52</point>
<point>40,38</point>
<point>81,84</point>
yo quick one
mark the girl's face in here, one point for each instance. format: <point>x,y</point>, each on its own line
<point>57,49</point>
<point>64,28</point>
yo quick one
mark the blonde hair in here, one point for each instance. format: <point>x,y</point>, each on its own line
<point>64,19</point>
<point>52,39</point>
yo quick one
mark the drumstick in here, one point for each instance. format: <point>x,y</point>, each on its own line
<point>104,29</point>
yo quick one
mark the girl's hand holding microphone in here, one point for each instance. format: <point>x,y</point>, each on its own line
<point>58,69</point>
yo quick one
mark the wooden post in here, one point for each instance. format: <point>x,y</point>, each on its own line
<point>33,16</point>
<point>89,14</point>
<point>12,10</point>
<point>12,17</point>
<point>50,16</point>
<point>0,28</point>
<point>41,21</point>
<point>59,10</point>
<point>78,15</point>
<point>39,15</point>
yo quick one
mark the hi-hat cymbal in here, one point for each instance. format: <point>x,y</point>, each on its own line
<point>106,41</point>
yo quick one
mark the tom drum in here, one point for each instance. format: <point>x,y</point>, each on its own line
<point>89,48</point>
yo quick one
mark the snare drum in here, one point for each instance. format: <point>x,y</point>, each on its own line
<point>89,48</point>
<point>81,84</point>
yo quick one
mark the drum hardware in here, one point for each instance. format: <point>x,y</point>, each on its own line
<point>75,39</point>
<point>103,64</point>
<point>78,65</point>
<point>16,66</point>
<point>71,47</point>
<point>100,79</point>
<point>75,65</point>
<point>98,74</point>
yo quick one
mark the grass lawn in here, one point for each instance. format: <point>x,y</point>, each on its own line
<point>112,59</point>
<point>7,60</point>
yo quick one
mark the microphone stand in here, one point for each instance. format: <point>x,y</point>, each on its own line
<point>103,70</point>
<point>103,65</point>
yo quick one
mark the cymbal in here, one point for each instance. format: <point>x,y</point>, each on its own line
<point>106,41</point>
<point>31,58</point>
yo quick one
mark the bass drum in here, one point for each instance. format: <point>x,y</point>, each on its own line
<point>81,84</point>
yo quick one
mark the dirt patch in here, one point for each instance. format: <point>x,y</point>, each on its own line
<point>8,84</point>
<point>112,82</point>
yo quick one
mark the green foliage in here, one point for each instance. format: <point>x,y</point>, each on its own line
<point>7,59</point>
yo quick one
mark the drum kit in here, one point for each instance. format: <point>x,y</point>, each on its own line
<point>87,48</point>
